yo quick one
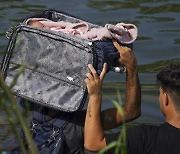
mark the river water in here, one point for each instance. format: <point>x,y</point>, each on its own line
<point>158,42</point>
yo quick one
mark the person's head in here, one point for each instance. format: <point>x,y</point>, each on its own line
<point>35,23</point>
<point>169,86</point>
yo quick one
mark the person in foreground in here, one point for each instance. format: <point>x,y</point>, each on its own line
<point>162,139</point>
<point>94,137</point>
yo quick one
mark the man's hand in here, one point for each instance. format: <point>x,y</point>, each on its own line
<point>127,57</point>
<point>94,81</point>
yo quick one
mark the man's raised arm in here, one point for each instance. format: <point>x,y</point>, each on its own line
<point>94,138</point>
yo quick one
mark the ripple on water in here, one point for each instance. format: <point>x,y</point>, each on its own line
<point>157,44</point>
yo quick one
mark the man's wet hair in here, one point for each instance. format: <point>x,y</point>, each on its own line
<point>169,80</point>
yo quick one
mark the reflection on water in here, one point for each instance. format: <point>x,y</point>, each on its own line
<point>158,24</point>
<point>152,7</point>
<point>158,42</point>
<point>156,66</point>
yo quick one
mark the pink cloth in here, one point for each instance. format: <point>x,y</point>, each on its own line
<point>68,31</point>
<point>123,33</point>
<point>97,34</point>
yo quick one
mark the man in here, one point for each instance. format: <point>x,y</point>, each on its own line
<point>163,139</point>
<point>94,135</point>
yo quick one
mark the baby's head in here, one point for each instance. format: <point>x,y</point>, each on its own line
<point>35,23</point>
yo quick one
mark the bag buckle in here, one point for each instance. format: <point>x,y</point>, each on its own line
<point>54,134</point>
<point>34,124</point>
<point>9,32</point>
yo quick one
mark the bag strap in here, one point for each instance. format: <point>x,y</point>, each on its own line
<point>39,117</point>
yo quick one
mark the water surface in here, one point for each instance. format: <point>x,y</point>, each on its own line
<point>158,42</point>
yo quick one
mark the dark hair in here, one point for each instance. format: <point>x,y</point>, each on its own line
<point>169,80</point>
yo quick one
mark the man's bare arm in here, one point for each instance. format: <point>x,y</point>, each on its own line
<point>93,118</point>
<point>132,105</point>
<point>94,136</point>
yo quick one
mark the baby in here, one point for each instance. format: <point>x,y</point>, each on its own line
<point>65,27</point>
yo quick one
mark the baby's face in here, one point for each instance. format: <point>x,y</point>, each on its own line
<point>38,24</point>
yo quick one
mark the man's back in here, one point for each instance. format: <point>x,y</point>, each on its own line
<point>143,139</point>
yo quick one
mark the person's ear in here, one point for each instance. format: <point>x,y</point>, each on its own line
<point>166,99</point>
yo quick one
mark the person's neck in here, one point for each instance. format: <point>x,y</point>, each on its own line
<point>174,120</point>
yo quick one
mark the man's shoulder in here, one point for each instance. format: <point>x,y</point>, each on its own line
<point>144,129</point>
<point>153,138</point>
<point>139,137</point>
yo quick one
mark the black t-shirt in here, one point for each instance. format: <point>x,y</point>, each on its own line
<point>146,139</point>
<point>73,133</point>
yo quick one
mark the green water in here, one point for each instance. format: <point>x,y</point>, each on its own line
<point>158,42</point>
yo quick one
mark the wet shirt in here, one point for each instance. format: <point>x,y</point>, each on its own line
<point>146,139</point>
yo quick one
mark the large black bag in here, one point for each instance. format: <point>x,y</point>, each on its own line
<point>55,64</point>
